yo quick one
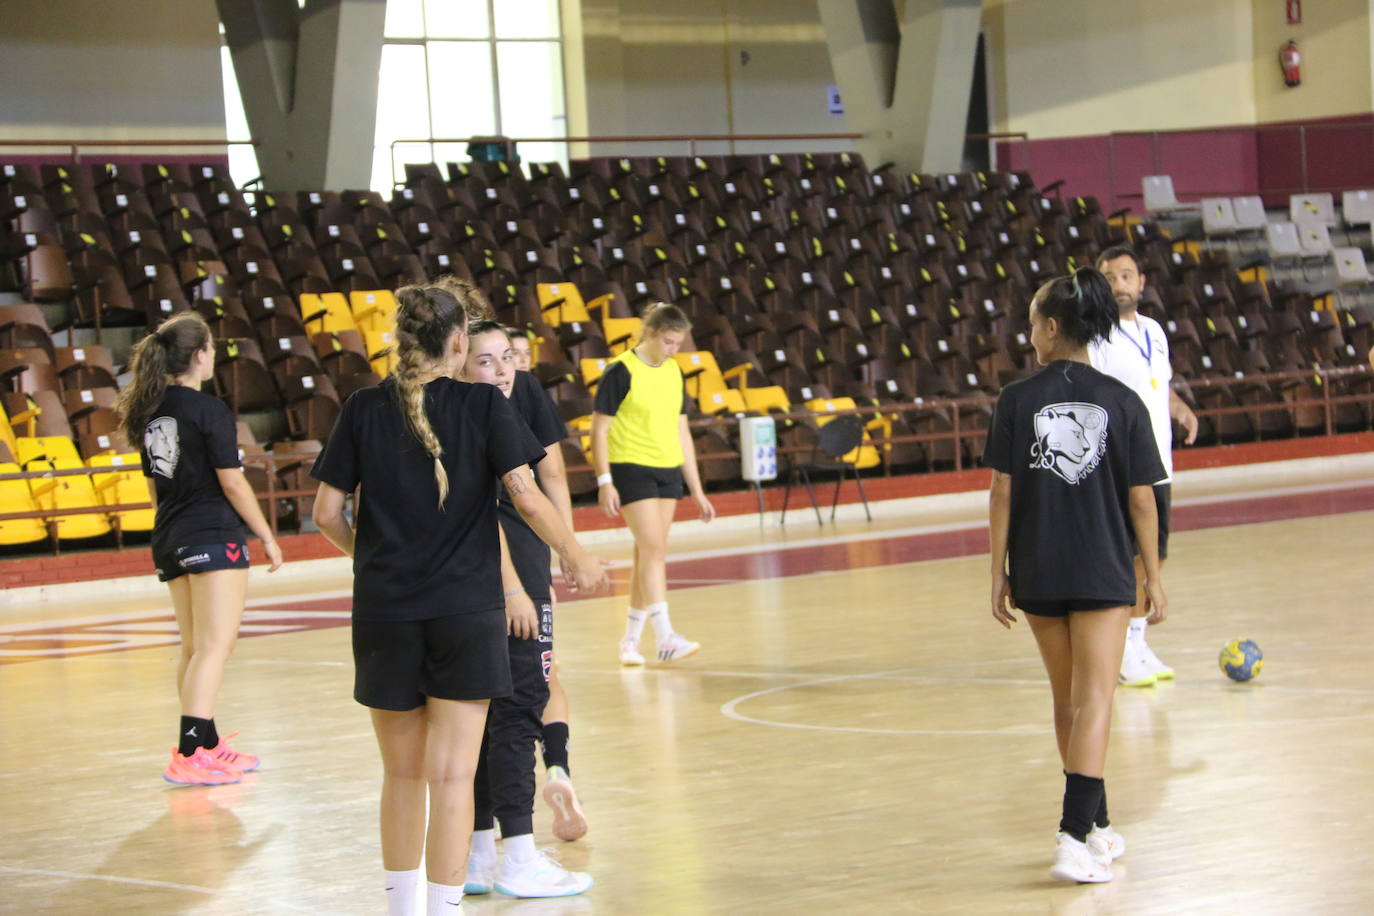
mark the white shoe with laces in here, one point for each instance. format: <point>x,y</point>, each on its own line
<point>540,877</point>
<point>481,874</point>
<point>1156,667</point>
<point>676,647</point>
<point>1076,862</point>
<point>629,653</point>
<point>1134,671</point>
<point>1106,843</point>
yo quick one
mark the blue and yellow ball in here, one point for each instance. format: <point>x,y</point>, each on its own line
<point>1241,659</point>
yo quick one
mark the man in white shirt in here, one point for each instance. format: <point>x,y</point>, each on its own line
<point>1137,353</point>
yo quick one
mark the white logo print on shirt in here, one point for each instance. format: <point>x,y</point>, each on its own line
<point>163,445</point>
<point>1070,440</point>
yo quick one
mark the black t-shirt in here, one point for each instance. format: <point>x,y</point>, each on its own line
<point>412,561</point>
<point>190,435</point>
<point>528,552</point>
<point>1074,442</point>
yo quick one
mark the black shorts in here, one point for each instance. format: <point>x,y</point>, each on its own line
<point>637,481</point>
<point>1164,498</point>
<point>398,663</point>
<point>1064,607</point>
<point>177,562</point>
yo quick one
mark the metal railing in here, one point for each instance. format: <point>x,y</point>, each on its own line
<point>74,147</point>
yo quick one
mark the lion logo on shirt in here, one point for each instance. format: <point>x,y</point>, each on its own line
<point>1070,440</point>
<point>163,446</point>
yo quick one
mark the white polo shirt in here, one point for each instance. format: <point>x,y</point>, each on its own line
<point>1137,353</point>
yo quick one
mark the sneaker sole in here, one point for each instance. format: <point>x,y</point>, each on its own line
<point>1165,675</point>
<point>569,823</point>
<point>1097,877</point>
<point>568,893</point>
<point>476,890</point>
<point>178,782</point>
<point>631,662</point>
<point>1143,682</point>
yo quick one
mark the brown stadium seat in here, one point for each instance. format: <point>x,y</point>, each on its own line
<point>242,377</point>
<point>27,369</point>
<point>23,326</point>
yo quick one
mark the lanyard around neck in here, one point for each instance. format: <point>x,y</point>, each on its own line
<point>1148,350</point>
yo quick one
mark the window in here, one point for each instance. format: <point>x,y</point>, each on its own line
<point>464,68</point>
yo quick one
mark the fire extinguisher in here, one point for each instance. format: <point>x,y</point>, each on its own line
<point>1290,60</point>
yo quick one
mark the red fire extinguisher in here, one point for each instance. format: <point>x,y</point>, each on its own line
<point>1290,60</point>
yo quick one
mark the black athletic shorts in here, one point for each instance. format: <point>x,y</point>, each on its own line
<point>1064,607</point>
<point>1164,498</point>
<point>637,481</point>
<point>398,663</point>
<point>179,561</point>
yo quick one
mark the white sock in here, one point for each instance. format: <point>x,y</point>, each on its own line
<point>520,848</point>
<point>1137,629</point>
<point>658,616</point>
<point>403,892</point>
<point>445,900</point>
<point>484,845</point>
<point>634,624</point>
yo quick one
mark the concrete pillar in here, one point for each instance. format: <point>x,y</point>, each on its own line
<point>308,77</point>
<point>905,85</point>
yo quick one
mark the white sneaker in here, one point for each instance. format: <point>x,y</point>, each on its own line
<point>1134,671</point>
<point>569,823</point>
<point>1106,843</point>
<point>1156,667</point>
<point>676,647</point>
<point>481,873</point>
<point>629,653</point>
<point>540,877</point>
<point>1075,861</point>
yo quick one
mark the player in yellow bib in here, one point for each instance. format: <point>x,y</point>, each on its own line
<point>642,451</point>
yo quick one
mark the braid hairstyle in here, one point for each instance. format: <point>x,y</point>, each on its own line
<point>472,299</point>
<point>157,359</point>
<point>426,316</point>
<point>1081,303</point>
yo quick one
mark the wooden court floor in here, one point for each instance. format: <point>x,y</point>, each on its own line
<point>857,736</point>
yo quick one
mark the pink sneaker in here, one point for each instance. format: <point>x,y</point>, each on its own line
<point>569,823</point>
<point>244,763</point>
<point>200,769</point>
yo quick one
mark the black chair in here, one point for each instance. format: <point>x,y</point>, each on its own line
<point>834,440</point>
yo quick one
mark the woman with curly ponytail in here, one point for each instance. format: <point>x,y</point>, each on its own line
<point>195,481</point>
<point>1074,460</point>
<point>426,453</point>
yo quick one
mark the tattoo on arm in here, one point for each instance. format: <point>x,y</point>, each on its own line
<point>515,483</point>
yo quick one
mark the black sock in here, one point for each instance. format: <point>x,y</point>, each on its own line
<point>555,742</point>
<point>1082,797</point>
<point>1101,819</point>
<point>211,739</point>
<point>192,734</point>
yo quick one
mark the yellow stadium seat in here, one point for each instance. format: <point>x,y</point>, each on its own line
<point>15,496</point>
<point>561,303</point>
<point>769,398</point>
<point>592,370</point>
<point>68,492</point>
<point>865,456</point>
<point>702,373</point>
<point>381,351</point>
<point>7,435</point>
<point>727,400</point>
<point>621,333</point>
<point>51,447</point>
<point>373,309</point>
<point>125,488</point>
<point>327,313</point>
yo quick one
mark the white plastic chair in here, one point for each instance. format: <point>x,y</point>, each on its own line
<point>1249,213</point>
<point>1158,191</point>
<point>1218,216</point>
<point>1312,209</point>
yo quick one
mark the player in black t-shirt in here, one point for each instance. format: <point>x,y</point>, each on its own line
<point>429,619</point>
<point>195,480</point>
<point>1074,461</point>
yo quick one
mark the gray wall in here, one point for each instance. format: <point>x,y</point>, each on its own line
<point>112,70</point>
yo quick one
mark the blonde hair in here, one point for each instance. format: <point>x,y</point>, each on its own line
<point>157,359</point>
<point>426,316</point>
<point>472,299</point>
<point>660,317</point>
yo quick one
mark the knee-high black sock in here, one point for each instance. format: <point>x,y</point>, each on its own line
<point>555,742</point>
<point>192,734</point>
<point>1082,796</point>
<point>1101,819</point>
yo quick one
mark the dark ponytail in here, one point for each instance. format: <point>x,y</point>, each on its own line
<point>1081,304</point>
<point>157,359</point>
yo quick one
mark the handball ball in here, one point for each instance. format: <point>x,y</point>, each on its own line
<point>1241,659</point>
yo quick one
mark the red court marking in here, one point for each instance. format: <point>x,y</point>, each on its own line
<point>735,567</point>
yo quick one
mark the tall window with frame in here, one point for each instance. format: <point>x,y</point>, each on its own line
<point>453,69</point>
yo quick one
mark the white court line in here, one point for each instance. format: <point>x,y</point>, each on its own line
<point>142,882</point>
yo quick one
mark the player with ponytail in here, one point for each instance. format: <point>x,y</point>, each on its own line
<point>1074,460</point>
<point>195,480</point>
<point>425,453</point>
